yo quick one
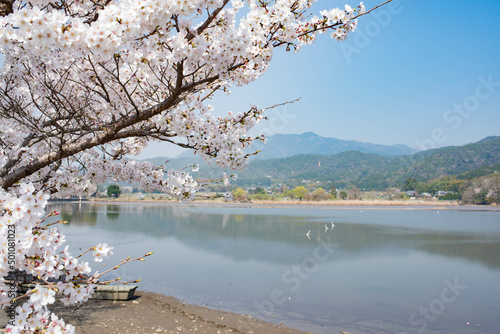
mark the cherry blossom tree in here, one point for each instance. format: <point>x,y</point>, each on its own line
<point>86,83</point>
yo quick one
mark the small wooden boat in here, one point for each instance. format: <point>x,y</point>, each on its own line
<point>101,292</point>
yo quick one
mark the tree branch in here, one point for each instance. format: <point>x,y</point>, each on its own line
<point>6,7</point>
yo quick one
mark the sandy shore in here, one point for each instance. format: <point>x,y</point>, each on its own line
<point>151,313</point>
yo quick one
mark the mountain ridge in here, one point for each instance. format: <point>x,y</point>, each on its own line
<point>288,145</point>
<point>354,168</point>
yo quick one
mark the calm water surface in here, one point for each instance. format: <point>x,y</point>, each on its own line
<point>379,270</point>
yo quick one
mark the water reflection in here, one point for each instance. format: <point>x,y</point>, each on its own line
<point>79,214</point>
<point>385,263</point>
<point>113,212</point>
<point>195,227</point>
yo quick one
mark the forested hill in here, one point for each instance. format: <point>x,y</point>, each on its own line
<point>364,170</point>
<point>455,159</point>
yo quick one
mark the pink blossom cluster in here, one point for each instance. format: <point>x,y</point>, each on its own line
<point>116,59</point>
<point>39,252</point>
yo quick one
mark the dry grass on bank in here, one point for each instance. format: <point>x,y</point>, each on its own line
<point>294,202</point>
<point>364,202</point>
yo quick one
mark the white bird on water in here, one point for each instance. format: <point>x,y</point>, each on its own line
<point>308,234</point>
<point>333,225</point>
<point>326,228</point>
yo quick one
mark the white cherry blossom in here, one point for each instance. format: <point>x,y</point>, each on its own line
<point>102,251</point>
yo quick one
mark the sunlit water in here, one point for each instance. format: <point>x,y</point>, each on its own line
<point>379,270</point>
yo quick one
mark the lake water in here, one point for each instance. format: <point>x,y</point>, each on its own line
<point>379,270</point>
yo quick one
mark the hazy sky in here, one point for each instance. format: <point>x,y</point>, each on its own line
<point>421,73</point>
<point>416,72</point>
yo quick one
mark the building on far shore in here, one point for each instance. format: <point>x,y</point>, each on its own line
<point>412,193</point>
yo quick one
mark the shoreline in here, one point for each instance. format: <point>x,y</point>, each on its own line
<point>339,204</point>
<point>149,312</point>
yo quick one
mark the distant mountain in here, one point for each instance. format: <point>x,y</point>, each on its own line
<point>283,146</point>
<point>373,171</point>
<point>354,168</point>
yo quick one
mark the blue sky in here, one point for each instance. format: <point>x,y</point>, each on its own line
<point>416,72</point>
